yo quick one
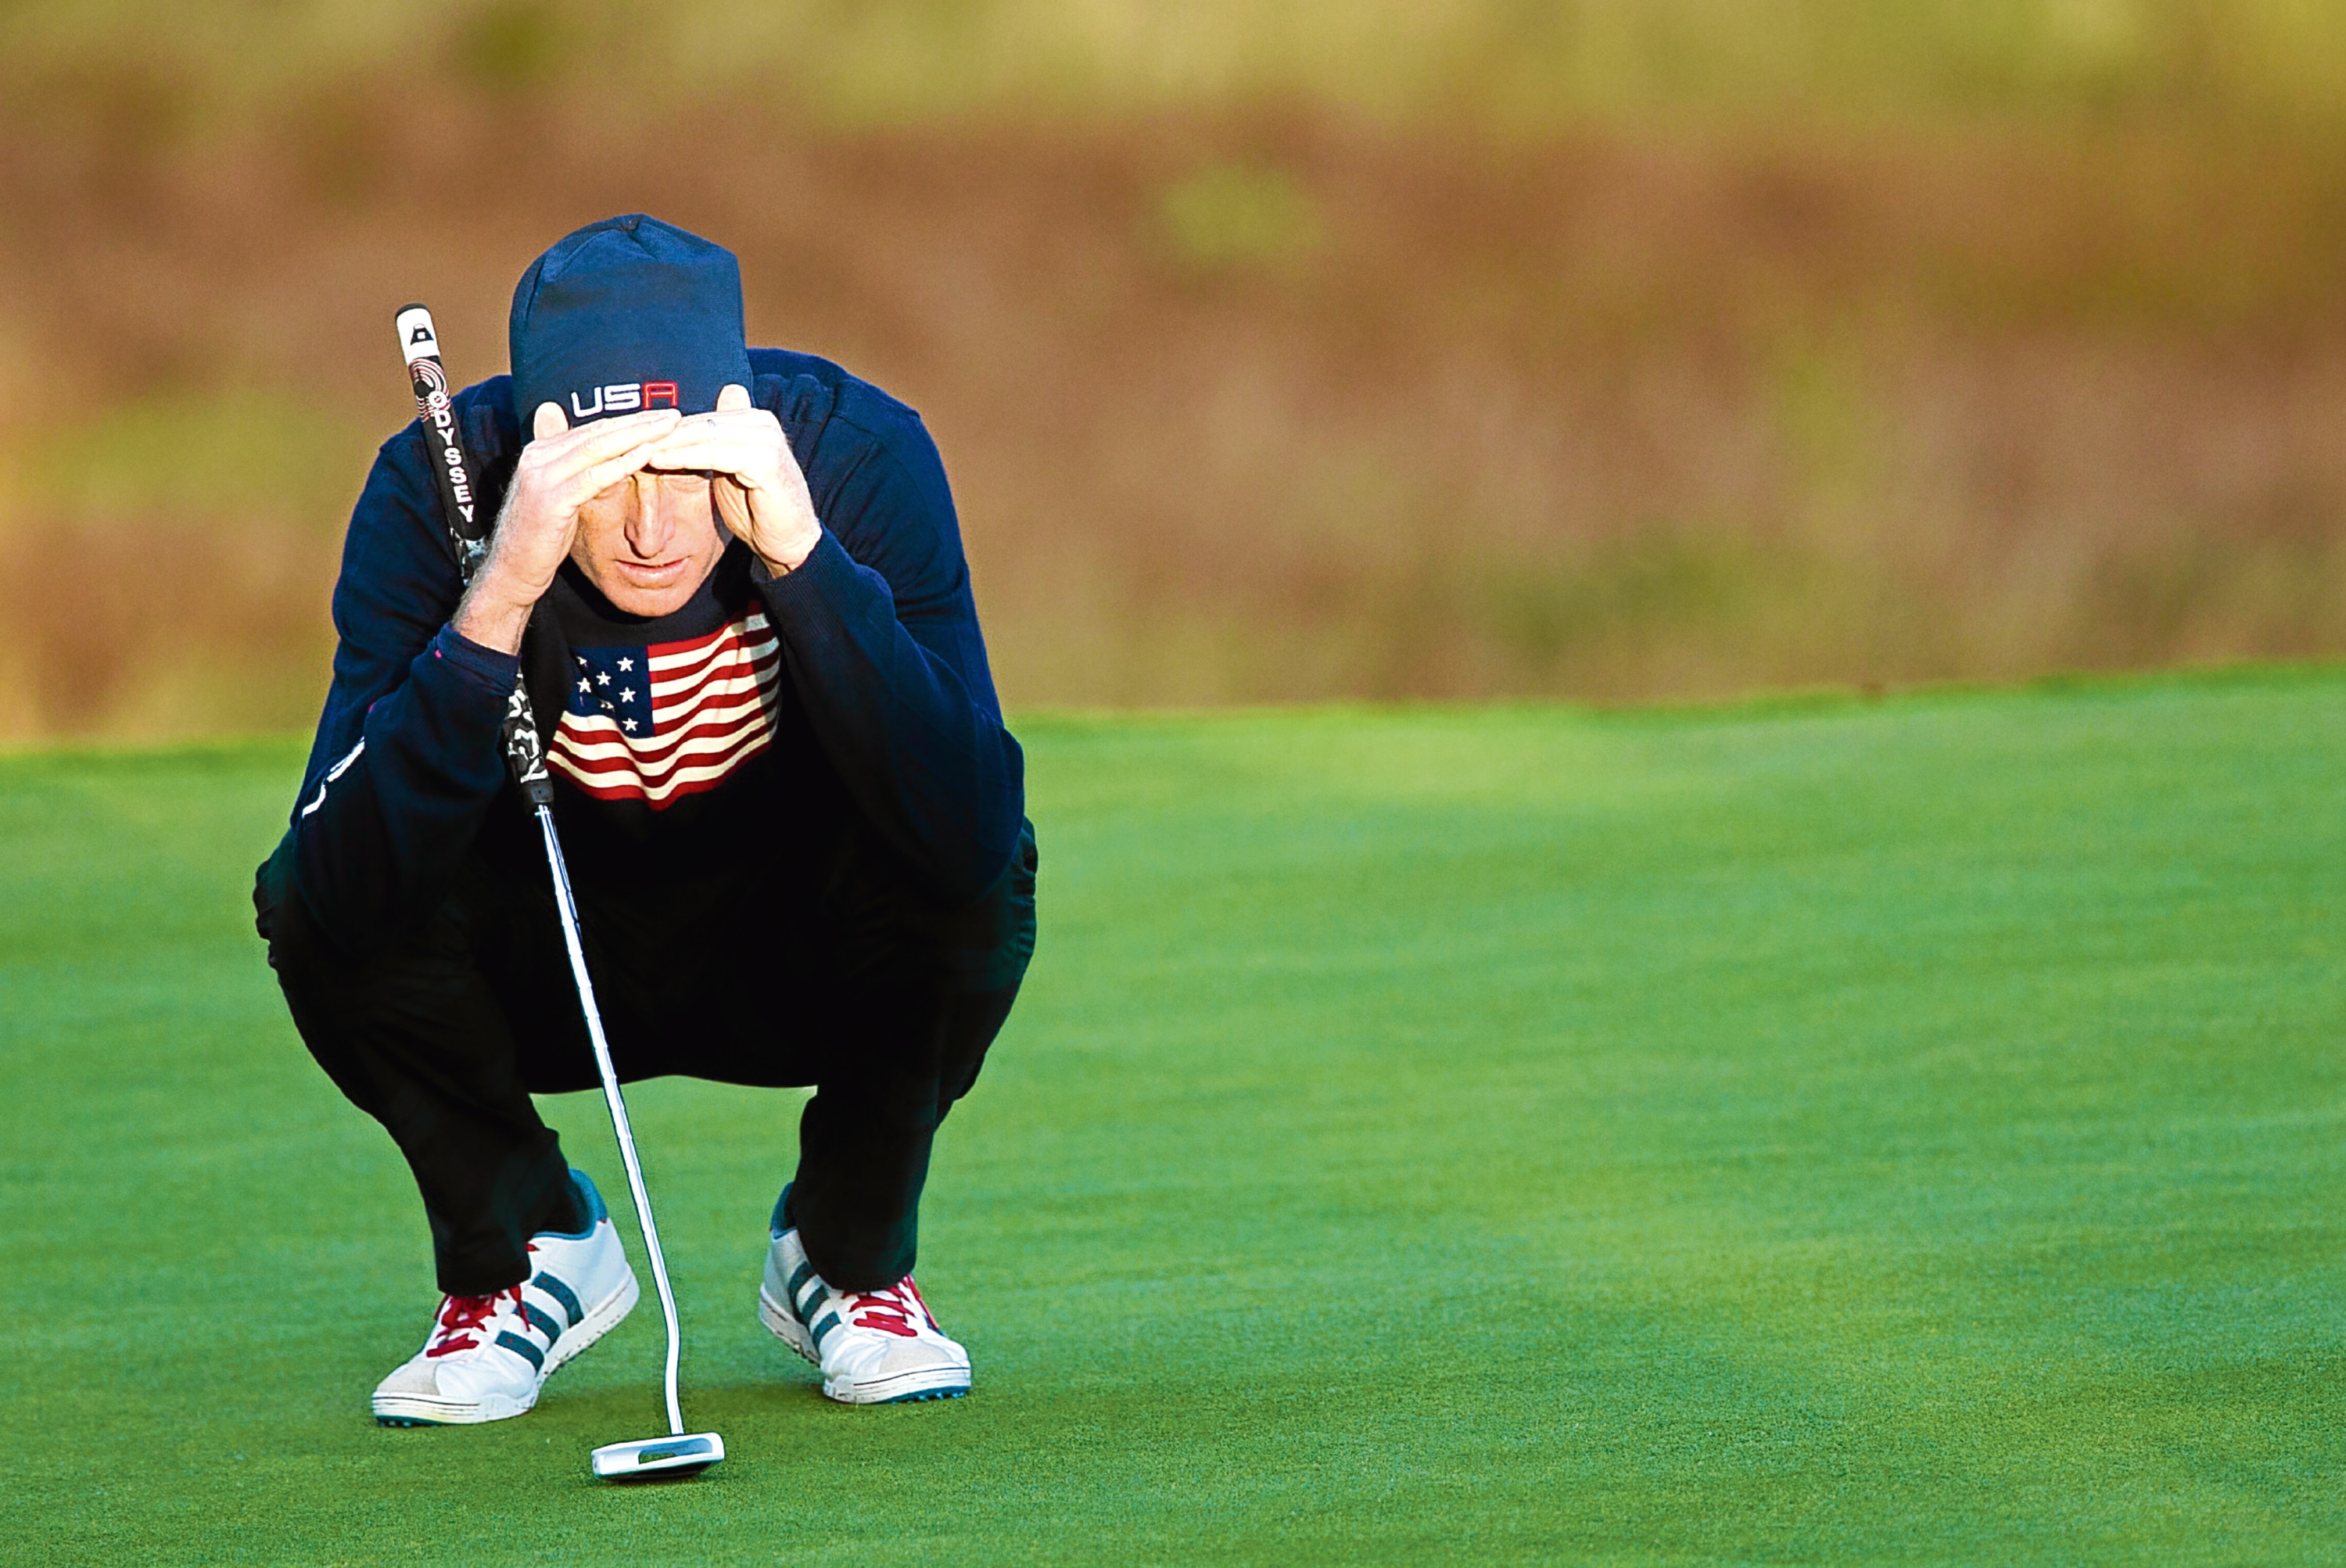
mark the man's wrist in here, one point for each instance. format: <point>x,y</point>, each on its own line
<point>492,619</point>
<point>782,563</point>
<point>483,667</point>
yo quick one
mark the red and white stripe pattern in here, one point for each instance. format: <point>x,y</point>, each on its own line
<point>658,722</point>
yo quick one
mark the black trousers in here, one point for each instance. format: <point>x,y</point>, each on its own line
<point>830,974</point>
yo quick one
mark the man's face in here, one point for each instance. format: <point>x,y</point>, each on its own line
<point>649,541</point>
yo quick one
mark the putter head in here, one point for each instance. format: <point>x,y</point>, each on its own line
<point>667,1458</point>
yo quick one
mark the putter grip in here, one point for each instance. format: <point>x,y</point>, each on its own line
<point>468,535</point>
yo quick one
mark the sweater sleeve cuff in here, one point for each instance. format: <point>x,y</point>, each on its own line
<point>489,668</point>
<point>826,573</point>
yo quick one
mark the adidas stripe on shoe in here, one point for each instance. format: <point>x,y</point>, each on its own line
<point>487,1357</point>
<point>874,1347</point>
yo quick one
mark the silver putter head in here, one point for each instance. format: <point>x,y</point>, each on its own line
<point>667,1458</point>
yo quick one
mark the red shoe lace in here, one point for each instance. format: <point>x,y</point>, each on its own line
<point>463,1314</point>
<point>889,1310</point>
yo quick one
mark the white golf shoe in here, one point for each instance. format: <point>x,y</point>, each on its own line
<point>487,1356</point>
<point>874,1347</point>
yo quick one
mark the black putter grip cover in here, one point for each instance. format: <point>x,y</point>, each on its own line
<point>452,472</point>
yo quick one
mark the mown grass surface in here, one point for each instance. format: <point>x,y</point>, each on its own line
<point>1905,1133</point>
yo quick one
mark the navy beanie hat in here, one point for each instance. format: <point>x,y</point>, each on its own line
<point>626,314</point>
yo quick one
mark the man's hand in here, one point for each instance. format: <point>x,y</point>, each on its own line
<point>559,471</point>
<point>760,491</point>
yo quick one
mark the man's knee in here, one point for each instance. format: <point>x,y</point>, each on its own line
<point>272,890</point>
<point>309,968</point>
<point>985,947</point>
<point>984,962</point>
<point>421,989</point>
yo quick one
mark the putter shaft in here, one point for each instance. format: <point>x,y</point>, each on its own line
<point>636,1188</point>
<point>524,748</point>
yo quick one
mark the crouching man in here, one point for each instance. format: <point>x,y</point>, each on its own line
<point>793,819</point>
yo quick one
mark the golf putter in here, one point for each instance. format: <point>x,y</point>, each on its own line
<point>680,1454</point>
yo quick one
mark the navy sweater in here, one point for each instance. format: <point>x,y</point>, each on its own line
<point>887,708</point>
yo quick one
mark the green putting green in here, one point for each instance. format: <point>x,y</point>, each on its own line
<point>1820,1132</point>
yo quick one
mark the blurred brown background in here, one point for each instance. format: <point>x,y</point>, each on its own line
<point>1618,350</point>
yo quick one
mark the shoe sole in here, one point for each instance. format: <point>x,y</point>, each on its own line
<point>411,1411</point>
<point>907,1389</point>
<point>915,1395</point>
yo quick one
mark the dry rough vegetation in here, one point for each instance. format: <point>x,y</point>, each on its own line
<point>1260,398</point>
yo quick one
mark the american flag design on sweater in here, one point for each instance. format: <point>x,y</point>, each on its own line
<point>660,721</point>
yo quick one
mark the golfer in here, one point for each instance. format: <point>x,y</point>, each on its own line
<point>792,816</point>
